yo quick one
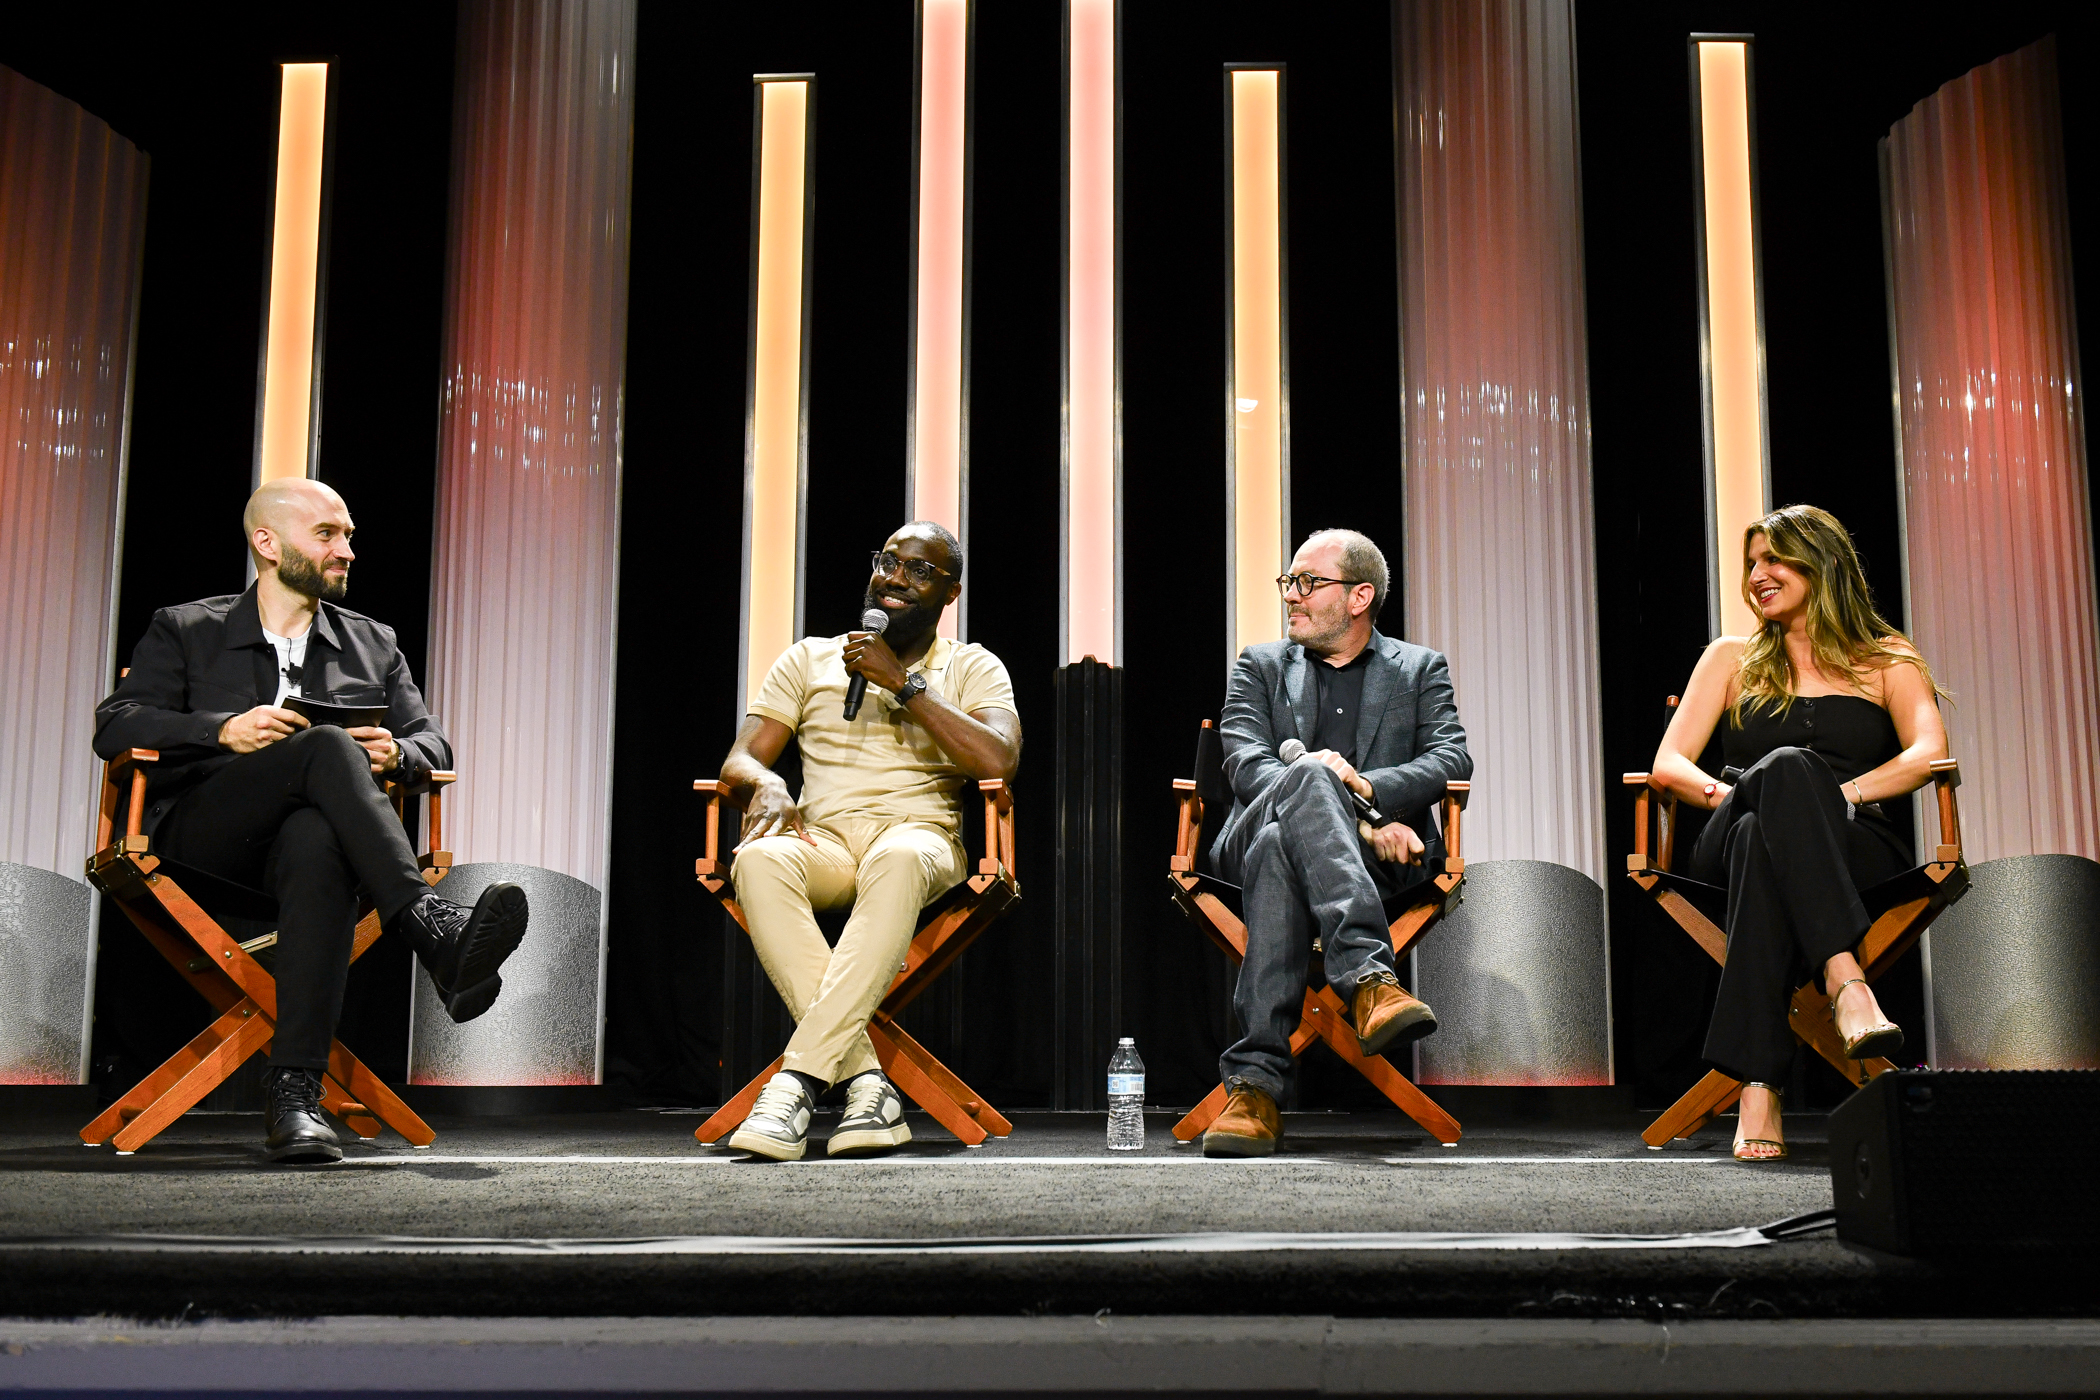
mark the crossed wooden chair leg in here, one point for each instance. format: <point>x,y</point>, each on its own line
<point>222,971</point>
<point>1917,901</point>
<point>246,1023</point>
<point>1325,1019</point>
<point>911,1067</point>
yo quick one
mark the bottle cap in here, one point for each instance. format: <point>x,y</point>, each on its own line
<point>1126,1040</point>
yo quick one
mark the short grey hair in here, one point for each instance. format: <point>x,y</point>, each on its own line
<point>1362,561</point>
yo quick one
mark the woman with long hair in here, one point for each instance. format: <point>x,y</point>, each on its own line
<point>1828,710</point>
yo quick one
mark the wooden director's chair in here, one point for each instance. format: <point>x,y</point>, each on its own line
<point>1901,908</point>
<point>162,898</point>
<point>1214,907</point>
<point>946,927</point>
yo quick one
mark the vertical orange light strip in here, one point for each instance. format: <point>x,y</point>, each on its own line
<point>1738,492</point>
<point>773,449</point>
<point>1259,523</point>
<point>285,435</point>
<point>1092,536</point>
<point>937,457</point>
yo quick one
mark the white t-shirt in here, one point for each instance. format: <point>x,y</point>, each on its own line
<point>291,654</point>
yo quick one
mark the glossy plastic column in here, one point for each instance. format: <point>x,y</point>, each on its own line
<point>1990,415</point>
<point>524,588</point>
<point>1501,552</point>
<point>72,220</point>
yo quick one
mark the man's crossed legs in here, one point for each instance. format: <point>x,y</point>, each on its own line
<point>1303,871</point>
<point>888,872</point>
<point>303,821</point>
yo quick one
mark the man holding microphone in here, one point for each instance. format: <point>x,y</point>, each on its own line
<point>892,722</point>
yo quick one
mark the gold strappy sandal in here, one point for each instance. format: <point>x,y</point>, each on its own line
<point>1879,1040</point>
<point>1743,1142</point>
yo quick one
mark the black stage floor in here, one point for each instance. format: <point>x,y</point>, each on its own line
<point>608,1215</point>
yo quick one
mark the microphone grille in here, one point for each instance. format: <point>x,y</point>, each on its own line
<point>1291,751</point>
<point>874,620</point>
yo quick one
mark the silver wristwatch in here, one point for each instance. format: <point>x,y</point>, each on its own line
<point>914,687</point>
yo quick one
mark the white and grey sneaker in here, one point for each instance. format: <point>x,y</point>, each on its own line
<point>874,1120</point>
<point>779,1123</point>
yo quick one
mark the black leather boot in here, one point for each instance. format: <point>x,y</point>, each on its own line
<point>462,948</point>
<point>298,1131</point>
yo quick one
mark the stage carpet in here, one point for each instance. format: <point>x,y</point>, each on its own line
<point>623,1215</point>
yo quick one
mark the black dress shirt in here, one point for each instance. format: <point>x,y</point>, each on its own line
<point>202,663</point>
<point>1340,693</point>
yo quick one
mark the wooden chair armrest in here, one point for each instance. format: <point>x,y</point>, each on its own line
<point>717,793</point>
<point>132,761</point>
<point>432,785</point>
<point>130,757</point>
<point>1641,785</point>
<point>1456,795</point>
<point>998,828</point>
<point>1946,777</point>
<point>429,782</point>
<point>1188,826</point>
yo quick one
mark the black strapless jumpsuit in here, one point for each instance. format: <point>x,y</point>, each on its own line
<point>1793,865</point>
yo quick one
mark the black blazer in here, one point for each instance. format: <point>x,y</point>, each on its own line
<point>202,663</point>
<point>1408,739</point>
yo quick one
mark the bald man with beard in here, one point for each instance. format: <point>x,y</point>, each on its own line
<point>249,791</point>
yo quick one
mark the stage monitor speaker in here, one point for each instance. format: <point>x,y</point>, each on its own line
<point>1968,1162</point>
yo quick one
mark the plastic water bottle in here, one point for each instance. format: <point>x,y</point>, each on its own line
<point>1126,1098</point>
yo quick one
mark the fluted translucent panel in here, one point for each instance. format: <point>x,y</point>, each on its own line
<point>72,209</point>
<point>523,591</point>
<point>1093,436</point>
<point>1258,471</point>
<point>1991,411</point>
<point>1501,550</point>
<point>939,465</point>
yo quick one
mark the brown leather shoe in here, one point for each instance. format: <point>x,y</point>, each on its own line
<point>1387,1015</point>
<point>1249,1126</point>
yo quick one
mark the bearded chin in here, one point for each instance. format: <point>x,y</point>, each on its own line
<point>912,622</point>
<point>299,573</point>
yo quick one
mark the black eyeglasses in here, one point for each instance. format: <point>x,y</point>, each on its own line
<point>1305,585</point>
<point>917,570</point>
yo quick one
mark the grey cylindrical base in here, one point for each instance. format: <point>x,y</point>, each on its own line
<point>47,935</point>
<point>545,1027</point>
<point>2013,970</point>
<point>1520,977</point>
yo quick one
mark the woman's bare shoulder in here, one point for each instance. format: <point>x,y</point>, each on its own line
<point>1726,648</point>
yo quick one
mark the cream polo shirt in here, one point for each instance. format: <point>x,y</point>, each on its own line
<point>881,764</point>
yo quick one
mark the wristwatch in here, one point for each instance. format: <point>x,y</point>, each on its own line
<point>914,686</point>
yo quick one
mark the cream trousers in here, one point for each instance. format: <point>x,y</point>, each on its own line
<point>888,872</point>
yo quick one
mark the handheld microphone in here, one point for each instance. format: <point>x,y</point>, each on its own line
<point>1291,751</point>
<point>873,620</point>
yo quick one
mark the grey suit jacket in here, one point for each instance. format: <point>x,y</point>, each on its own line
<point>1408,739</point>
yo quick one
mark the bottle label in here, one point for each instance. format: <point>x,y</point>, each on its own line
<point>1120,1084</point>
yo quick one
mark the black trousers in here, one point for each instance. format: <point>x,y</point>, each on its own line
<point>1794,867</point>
<point>303,821</point>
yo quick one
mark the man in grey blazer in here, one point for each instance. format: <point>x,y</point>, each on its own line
<point>1377,719</point>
